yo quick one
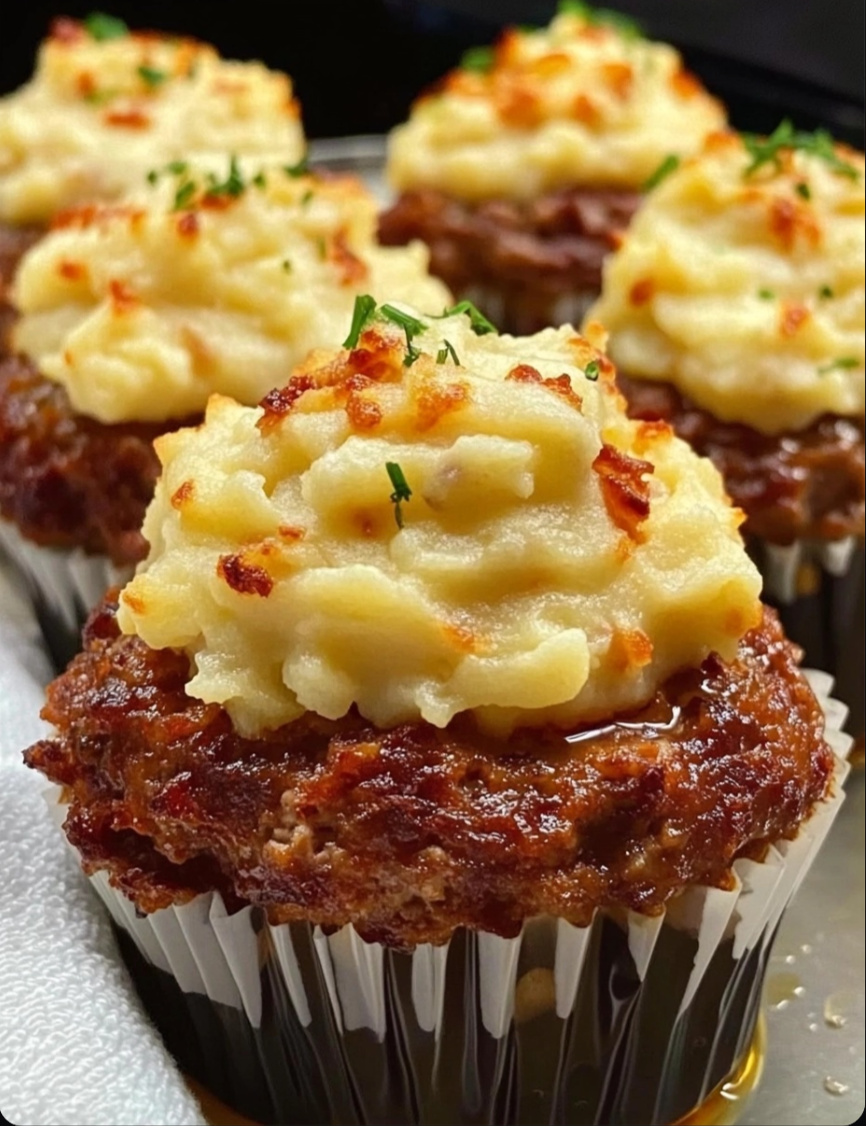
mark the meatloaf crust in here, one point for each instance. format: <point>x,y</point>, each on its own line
<point>412,832</point>
<point>529,253</point>
<point>67,480</point>
<point>804,485</point>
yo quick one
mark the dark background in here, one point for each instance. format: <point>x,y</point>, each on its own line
<point>358,63</point>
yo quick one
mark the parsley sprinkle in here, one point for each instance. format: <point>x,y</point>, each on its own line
<point>151,75</point>
<point>480,324</point>
<point>592,370</point>
<point>233,185</point>
<point>100,26</point>
<point>410,325</point>
<point>766,294</point>
<point>445,351</point>
<point>767,150</point>
<point>152,176</point>
<point>843,363</point>
<point>260,180</point>
<point>803,190</point>
<point>299,169</point>
<point>627,27</point>
<point>184,195</point>
<point>306,197</point>
<point>176,167</point>
<point>362,314</point>
<point>479,59</point>
<point>401,489</point>
<point>669,164</point>
<point>825,293</point>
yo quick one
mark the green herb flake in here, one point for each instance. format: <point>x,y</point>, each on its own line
<point>669,164</point>
<point>152,76</point>
<point>183,196</point>
<point>362,314</point>
<point>260,180</point>
<point>307,197</point>
<point>842,363</point>
<point>302,168</point>
<point>826,292</point>
<point>803,190</point>
<point>99,97</point>
<point>478,59</point>
<point>768,150</point>
<point>233,185</point>
<point>592,370</point>
<point>153,176</point>
<point>322,247</point>
<point>100,27</point>
<point>604,17</point>
<point>766,294</point>
<point>445,351</point>
<point>177,167</point>
<point>287,265</point>
<point>479,323</point>
<point>410,325</point>
<point>401,492</point>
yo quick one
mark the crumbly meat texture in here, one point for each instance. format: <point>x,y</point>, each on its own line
<point>14,242</point>
<point>530,252</point>
<point>804,485</point>
<point>69,481</point>
<point>414,831</point>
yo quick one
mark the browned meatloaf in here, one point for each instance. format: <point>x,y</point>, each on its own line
<point>14,241</point>
<point>67,480</point>
<point>803,485</point>
<point>414,831</point>
<point>529,253</point>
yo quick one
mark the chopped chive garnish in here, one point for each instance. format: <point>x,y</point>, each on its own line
<point>99,97</point>
<point>479,59</point>
<point>768,150</point>
<point>233,185</point>
<point>843,363</point>
<point>445,351</point>
<point>362,314</point>
<point>260,180</point>
<point>176,167</point>
<point>152,176</point>
<point>627,27</point>
<point>184,195</point>
<point>766,294</point>
<point>299,169</point>
<point>479,323</point>
<point>100,26</point>
<point>401,492</point>
<point>151,75</point>
<point>592,370</point>
<point>287,265</point>
<point>322,247</point>
<point>306,197</point>
<point>803,190</point>
<point>410,325</point>
<point>825,293</point>
<point>669,164</point>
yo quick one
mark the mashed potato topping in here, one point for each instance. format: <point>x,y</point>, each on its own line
<point>742,282</point>
<point>575,103</point>
<point>104,106</point>
<point>204,284</point>
<point>438,520</point>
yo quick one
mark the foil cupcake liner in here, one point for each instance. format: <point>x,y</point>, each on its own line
<point>63,586</point>
<point>819,591</point>
<point>629,1019</point>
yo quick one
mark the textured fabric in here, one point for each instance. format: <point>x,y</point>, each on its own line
<point>75,1044</point>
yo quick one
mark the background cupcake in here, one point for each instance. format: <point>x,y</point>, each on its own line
<point>522,170</point>
<point>408,838</point>
<point>132,314</point>
<point>736,312</point>
<point>106,104</point>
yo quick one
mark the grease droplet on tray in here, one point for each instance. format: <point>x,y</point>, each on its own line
<point>834,1087</point>
<point>838,1007</point>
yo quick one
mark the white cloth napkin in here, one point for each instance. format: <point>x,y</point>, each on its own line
<point>75,1044</point>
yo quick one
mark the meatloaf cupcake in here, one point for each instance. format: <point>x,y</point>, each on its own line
<point>441,764</point>
<point>106,104</point>
<point>522,170</point>
<point>132,313</point>
<point>736,313</point>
